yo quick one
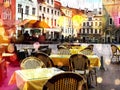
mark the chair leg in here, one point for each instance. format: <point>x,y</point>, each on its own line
<point>111,59</point>
<point>116,59</point>
<point>96,79</point>
<point>93,77</point>
<point>85,86</point>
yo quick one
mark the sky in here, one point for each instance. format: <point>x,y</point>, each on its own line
<point>81,4</point>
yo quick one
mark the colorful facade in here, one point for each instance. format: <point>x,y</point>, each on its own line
<point>7,18</point>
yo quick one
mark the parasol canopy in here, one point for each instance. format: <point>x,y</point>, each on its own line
<point>34,24</point>
<point>62,21</point>
<point>40,24</point>
<point>77,20</point>
<point>30,24</point>
<point>23,22</point>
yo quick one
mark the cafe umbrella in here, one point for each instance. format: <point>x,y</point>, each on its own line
<point>78,20</point>
<point>41,24</point>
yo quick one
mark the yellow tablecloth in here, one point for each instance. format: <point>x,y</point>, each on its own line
<point>118,47</point>
<point>32,79</point>
<point>63,60</point>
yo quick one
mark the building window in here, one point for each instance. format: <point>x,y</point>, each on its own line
<point>47,1</point>
<point>80,31</point>
<point>39,17</point>
<point>27,10</point>
<point>110,21</point>
<point>95,31</point>
<point>52,11</point>
<point>90,19</point>
<point>84,24</point>
<point>52,2</point>
<point>91,31</point>
<point>29,0</point>
<point>47,10</point>
<point>7,1</point>
<point>47,20</point>
<point>95,23</point>
<point>33,11</point>
<point>99,31</point>
<point>40,8</point>
<point>52,21</point>
<point>91,23</point>
<point>43,17</point>
<point>100,12</point>
<point>83,31</point>
<point>87,23</point>
<point>19,8</point>
<point>55,12</point>
<point>55,22</point>
<point>44,9</point>
<point>100,23</point>
<point>87,30</point>
<point>58,13</point>
<point>6,14</point>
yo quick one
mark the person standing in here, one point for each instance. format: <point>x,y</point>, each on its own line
<point>26,35</point>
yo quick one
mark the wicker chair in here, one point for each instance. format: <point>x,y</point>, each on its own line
<point>61,47</point>
<point>86,51</point>
<point>66,81</point>
<point>90,47</point>
<point>45,58</point>
<point>64,52</point>
<point>31,63</point>
<point>115,53</point>
<point>79,63</point>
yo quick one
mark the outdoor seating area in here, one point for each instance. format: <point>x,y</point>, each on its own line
<point>57,71</point>
<point>59,45</point>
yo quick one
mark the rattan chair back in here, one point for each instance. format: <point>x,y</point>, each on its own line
<point>32,63</point>
<point>91,46</point>
<point>114,48</point>
<point>64,52</point>
<point>86,51</point>
<point>79,62</point>
<point>45,58</point>
<point>65,81</point>
<point>115,53</point>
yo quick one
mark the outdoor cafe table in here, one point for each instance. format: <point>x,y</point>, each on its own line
<point>32,79</point>
<point>63,60</point>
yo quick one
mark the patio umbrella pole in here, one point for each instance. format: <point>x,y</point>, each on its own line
<point>102,64</point>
